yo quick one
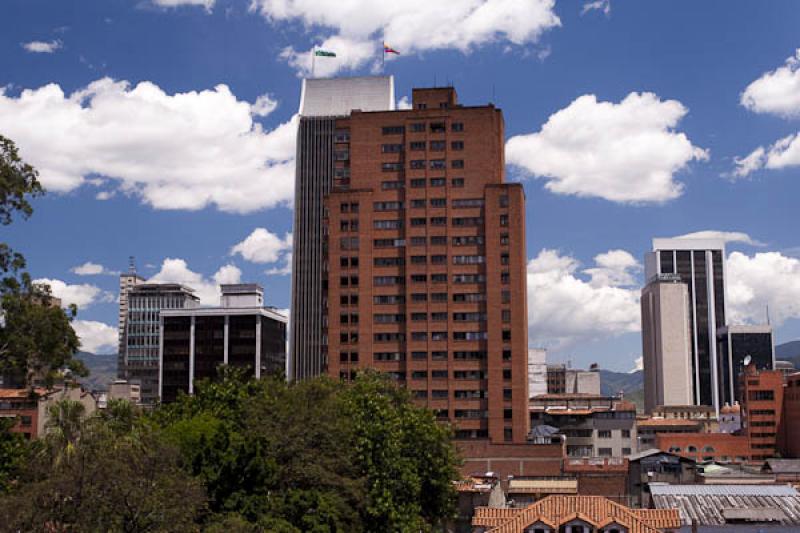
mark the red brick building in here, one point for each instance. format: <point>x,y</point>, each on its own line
<point>425,262</point>
<point>604,476</point>
<point>762,407</point>
<point>22,405</point>
<point>791,417</point>
<point>718,447</point>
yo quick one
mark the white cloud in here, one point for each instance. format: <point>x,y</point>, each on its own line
<point>783,153</point>
<point>776,92</point>
<point>754,282</point>
<point>350,54</point>
<point>563,308</point>
<point>263,246</point>
<point>177,271</point>
<point>404,103</point>
<point>626,152</point>
<point>96,337</point>
<point>207,4</point>
<point>180,151</point>
<point>92,269</point>
<point>42,47</point>
<point>727,236</point>
<point>82,295</point>
<point>638,364</point>
<point>597,5</point>
<point>283,270</point>
<point>410,26</point>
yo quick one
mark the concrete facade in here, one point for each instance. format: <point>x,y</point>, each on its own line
<point>537,372</point>
<point>666,344</point>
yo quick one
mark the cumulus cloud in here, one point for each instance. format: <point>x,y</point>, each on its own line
<point>42,47</point>
<point>564,307</point>
<point>176,151</point>
<point>177,271</point>
<point>410,26</point>
<point>627,152</point>
<point>776,92</point>
<point>263,246</point>
<point>82,295</point>
<point>727,236</point>
<point>638,365</point>
<point>783,153</point>
<point>92,269</point>
<point>350,55</point>
<point>597,5</point>
<point>404,103</point>
<point>764,279</point>
<point>207,4</point>
<point>96,337</point>
<point>283,270</point>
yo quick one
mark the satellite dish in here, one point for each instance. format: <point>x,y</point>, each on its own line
<point>747,360</point>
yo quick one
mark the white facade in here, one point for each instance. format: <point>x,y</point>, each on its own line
<point>331,97</point>
<point>537,372</point>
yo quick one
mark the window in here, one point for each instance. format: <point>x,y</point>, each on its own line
<point>419,297</point>
<point>457,182</point>
<point>761,395</point>
<point>439,317</point>
<point>389,356</point>
<point>438,259</point>
<point>417,222</point>
<point>507,394</point>
<point>438,240</point>
<point>391,166</point>
<point>417,146</point>
<point>420,394</point>
<point>604,434</point>
<point>469,297</point>
<point>439,394</point>
<point>419,355</point>
<point>418,203</point>
<point>504,200</point>
<point>457,145</point>
<point>387,206</point>
<point>418,127</point>
<point>470,336</point>
<point>439,296</point>
<point>603,452</point>
<point>423,106</point>
<point>438,146</point>
<point>438,202</point>
<point>504,220</point>
<point>437,127</point>
<point>343,208</point>
<point>457,163</point>
<point>341,155</point>
<point>438,164</point>
<point>438,221</point>
<point>391,148</point>
<point>388,280</point>
<point>469,240</point>
<point>389,243</point>
<point>506,335</point>
<point>457,126</point>
<point>438,278</point>
<point>392,130</point>
<point>505,278</point>
<point>626,433</point>
<point>389,337</point>
<point>389,299</point>
<point>419,278</point>
<point>508,414</point>
<point>506,315</point>
<point>504,239</point>
<point>417,163</point>
<point>470,355</point>
<point>468,259</point>
<point>417,241</point>
<point>506,354</point>
<point>469,317</point>
<point>468,222</point>
<point>439,336</point>
<point>418,183</point>
<point>468,202</point>
<point>469,278</point>
<point>419,336</point>
<point>389,261</point>
<point>392,185</point>
<point>469,374</point>
<point>419,317</point>
<point>387,224</point>
<point>341,136</point>
<point>439,355</point>
<point>506,374</point>
<point>626,451</point>
<point>419,374</point>
<point>439,374</point>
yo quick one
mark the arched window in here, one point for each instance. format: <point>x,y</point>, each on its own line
<point>691,449</point>
<point>708,449</point>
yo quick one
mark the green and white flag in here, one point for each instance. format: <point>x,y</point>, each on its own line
<point>324,53</point>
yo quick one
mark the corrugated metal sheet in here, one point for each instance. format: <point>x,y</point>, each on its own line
<point>722,490</point>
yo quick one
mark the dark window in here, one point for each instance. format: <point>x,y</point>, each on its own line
<point>392,130</point>
<point>391,185</point>
<point>391,148</point>
<point>438,146</point>
<point>438,202</point>
<point>457,126</point>
<point>391,166</point>
<point>417,163</point>
<point>418,183</point>
<point>438,164</point>
<point>416,146</point>
<point>457,163</point>
<point>457,182</point>
<point>418,127</point>
<point>437,127</point>
<point>457,145</point>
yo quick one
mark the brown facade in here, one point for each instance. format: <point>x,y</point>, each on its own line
<point>504,460</point>
<point>718,447</point>
<point>426,262</point>
<point>762,403</point>
<point>791,417</point>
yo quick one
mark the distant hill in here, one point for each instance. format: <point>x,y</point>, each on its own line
<point>102,370</point>
<point>612,383</point>
<point>788,351</point>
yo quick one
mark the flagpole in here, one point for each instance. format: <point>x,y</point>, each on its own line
<point>313,59</point>
<point>383,57</point>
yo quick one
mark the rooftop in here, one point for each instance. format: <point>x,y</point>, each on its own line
<point>555,511</point>
<point>711,504</point>
<point>782,466</point>
<point>329,97</point>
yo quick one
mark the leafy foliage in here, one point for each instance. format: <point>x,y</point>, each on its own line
<point>19,181</point>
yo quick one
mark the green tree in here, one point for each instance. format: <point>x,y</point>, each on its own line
<point>109,483</point>
<point>13,454</point>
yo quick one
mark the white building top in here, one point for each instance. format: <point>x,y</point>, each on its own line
<point>332,97</point>
<point>688,244</point>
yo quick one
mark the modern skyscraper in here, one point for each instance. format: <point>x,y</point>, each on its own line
<point>735,345</point>
<point>700,264</point>
<point>666,342</point>
<point>322,104</point>
<point>241,333</point>
<point>425,259</point>
<point>145,303</point>
<point>127,281</point>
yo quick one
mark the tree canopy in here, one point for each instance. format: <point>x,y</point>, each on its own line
<point>245,455</point>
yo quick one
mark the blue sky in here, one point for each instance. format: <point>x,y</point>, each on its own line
<point>154,159</point>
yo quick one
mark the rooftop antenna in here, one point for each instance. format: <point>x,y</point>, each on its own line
<point>434,80</point>
<point>492,101</point>
<point>132,264</point>
<point>768,314</point>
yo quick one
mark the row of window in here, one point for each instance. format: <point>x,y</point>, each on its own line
<point>436,355</point>
<point>435,260</point>
<point>416,222</point>
<point>421,202</point>
<point>436,240</point>
<point>418,183</point>
<point>420,164</point>
<point>418,336</point>
<point>419,127</point>
<point>457,374</point>
<point>392,318</point>
<point>415,146</point>
<point>383,281</point>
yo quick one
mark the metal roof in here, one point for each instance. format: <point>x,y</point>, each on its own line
<point>783,466</point>
<point>722,490</point>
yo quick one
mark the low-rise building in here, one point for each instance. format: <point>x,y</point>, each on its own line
<point>523,491</point>
<point>647,428</point>
<point>784,470</point>
<point>575,514</point>
<point>600,476</point>
<point>30,407</point>
<point>539,457</point>
<point>563,380</point>
<point>474,492</point>
<point>594,425</point>
<point>242,333</point>
<point>653,466</point>
<point>730,508</point>
<point>706,447</point>
<point>704,414</point>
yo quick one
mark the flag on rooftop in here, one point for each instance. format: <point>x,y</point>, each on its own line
<point>389,50</point>
<point>324,53</point>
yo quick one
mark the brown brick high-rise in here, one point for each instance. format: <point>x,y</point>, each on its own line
<point>425,261</point>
